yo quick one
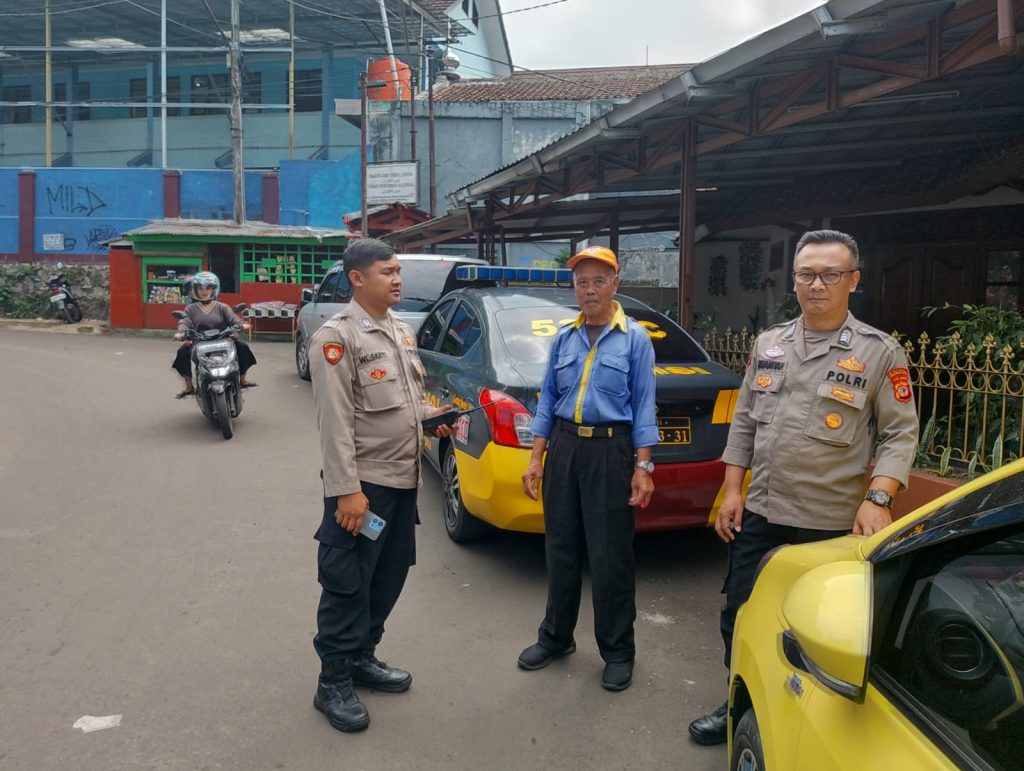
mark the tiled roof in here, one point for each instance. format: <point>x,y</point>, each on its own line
<point>576,84</point>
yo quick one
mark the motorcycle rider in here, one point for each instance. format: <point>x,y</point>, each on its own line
<point>204,313</point>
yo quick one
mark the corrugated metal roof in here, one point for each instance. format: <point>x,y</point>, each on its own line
<point>254,229</point>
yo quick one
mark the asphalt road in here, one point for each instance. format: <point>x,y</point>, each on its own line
<point>152,570</point>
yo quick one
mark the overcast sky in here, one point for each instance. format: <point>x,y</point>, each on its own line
<point>596,33</point>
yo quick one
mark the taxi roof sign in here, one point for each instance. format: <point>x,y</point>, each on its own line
<point>525,275</point>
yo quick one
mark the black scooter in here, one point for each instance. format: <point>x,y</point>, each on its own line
<point>62,298</point>
<point>215,373</point>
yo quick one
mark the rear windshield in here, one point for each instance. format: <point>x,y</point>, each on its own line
<point>528,333</point>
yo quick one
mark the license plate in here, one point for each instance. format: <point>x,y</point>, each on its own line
<point>57,297</point>
<point>674,430</point>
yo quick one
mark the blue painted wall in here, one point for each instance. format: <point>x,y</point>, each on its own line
<point>86,206</point>
<point>318,193</point>
<point>207,195</point>
<point>8,210</point>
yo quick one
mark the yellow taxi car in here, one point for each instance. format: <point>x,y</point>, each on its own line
<point>900,651</point>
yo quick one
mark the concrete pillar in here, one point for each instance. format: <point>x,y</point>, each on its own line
<point>271,198</point>
<point>172,194</point>
<point>26,216</point>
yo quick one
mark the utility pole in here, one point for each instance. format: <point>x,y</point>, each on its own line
<point>238,167</point>
<point>362,148</point>
<point>430,141</point>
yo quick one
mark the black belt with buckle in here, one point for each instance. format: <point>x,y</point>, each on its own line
<point>593,432</point>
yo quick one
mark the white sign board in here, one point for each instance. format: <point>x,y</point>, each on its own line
<point>391,183</point>
<point>53,242</point>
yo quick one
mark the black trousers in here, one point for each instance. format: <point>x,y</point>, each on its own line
<point>587,511</point>
<point>183,358</point>
<point>756,538</point>
<point>361,579</point>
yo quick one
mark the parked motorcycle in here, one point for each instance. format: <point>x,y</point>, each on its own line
<point>62,298</point>
<point>215,373</point>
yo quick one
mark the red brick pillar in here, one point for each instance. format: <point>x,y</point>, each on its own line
<point>172,194</point>
<point>271,198</point>
<point>26,216</point>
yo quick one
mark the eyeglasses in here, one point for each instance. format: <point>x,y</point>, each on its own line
<point>806,277</point>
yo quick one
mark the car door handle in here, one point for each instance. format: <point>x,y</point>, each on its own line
<point>445,392</point>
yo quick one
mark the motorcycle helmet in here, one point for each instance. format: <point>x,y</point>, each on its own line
<point>203,279</point>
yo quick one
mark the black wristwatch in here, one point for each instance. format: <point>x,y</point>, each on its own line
<point>880,498</point>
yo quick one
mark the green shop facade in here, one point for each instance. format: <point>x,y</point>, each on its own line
<point>257,263</point>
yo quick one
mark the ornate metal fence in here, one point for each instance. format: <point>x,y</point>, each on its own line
<point>970,398</point>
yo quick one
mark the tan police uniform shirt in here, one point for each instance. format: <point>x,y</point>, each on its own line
<point>368,391</point>
<point>807,422</point>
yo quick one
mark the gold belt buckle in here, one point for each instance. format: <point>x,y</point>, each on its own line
<point>586,432</point>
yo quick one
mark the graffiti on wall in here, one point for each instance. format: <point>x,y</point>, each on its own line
<point>75,200</point>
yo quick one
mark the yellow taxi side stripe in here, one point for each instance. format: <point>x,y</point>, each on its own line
<point>584,381</point>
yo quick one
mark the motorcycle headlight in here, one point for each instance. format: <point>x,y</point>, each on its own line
<point>220,371</point>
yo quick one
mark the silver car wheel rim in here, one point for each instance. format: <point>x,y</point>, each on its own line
<point>748,761</point>
<point>303,357</point>
<point>451,491</point>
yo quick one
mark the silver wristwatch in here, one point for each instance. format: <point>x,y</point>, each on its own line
<point>880,498</point>
<point>646,465</point>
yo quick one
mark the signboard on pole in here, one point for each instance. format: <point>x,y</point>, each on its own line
<point>395,182</point>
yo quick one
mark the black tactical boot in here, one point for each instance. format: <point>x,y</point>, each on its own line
<point>373,673</point>
<point>337,699</point>
<point>712,728</point>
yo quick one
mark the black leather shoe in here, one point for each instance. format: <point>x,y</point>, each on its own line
<point>373,673</point>
<point>712,728</point>
<point>336,699</point>
<point>538,657</point>
<point>618,675</point>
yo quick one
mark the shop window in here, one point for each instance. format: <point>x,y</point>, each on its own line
<point>308,90</point>
<point>287,263</point>
<point>1003,280</point>
<point>60,94</point>
<point>173,95</point>
<point>252,88</point>
<point>17,94</point>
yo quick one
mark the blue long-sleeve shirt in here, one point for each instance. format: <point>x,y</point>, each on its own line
<point>611,382</point>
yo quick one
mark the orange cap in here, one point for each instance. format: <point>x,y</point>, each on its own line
<point>601,253</point>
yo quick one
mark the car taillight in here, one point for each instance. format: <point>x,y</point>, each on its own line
<point>510,420</point>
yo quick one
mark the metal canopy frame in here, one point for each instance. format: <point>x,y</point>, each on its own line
<point>856,106</point>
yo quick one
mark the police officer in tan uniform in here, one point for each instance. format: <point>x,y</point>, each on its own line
<point>823,395</point>
<point>368,390</point>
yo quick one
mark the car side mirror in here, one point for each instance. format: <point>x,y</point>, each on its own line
<point>828,611</point>
<point>179,314</point>
<point>307,295</point>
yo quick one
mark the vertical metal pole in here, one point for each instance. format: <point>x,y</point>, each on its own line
<point>613,234</point>
<point>687,224</point>
<point>412,127</point>
<point>163,84</point>
<point>49,91</point>
<point>430,140</point>
<point>238,167</point>
<point>391,51</point>
<point>291,82</point>
<point>362,148</point>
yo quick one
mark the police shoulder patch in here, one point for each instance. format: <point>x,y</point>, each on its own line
<point>333,352</point>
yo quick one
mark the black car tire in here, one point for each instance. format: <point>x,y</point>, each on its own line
<point>302,358</point>
<point>747,752</point>
<point>462,526</point>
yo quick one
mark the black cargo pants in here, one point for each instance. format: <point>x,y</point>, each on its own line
<point>586,511</point>
<point>361,579</point>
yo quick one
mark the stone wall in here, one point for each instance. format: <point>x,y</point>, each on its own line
<point>24,295</point>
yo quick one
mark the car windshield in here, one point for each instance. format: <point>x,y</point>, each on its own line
<point>423,281</point>
<point>528,333</point>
